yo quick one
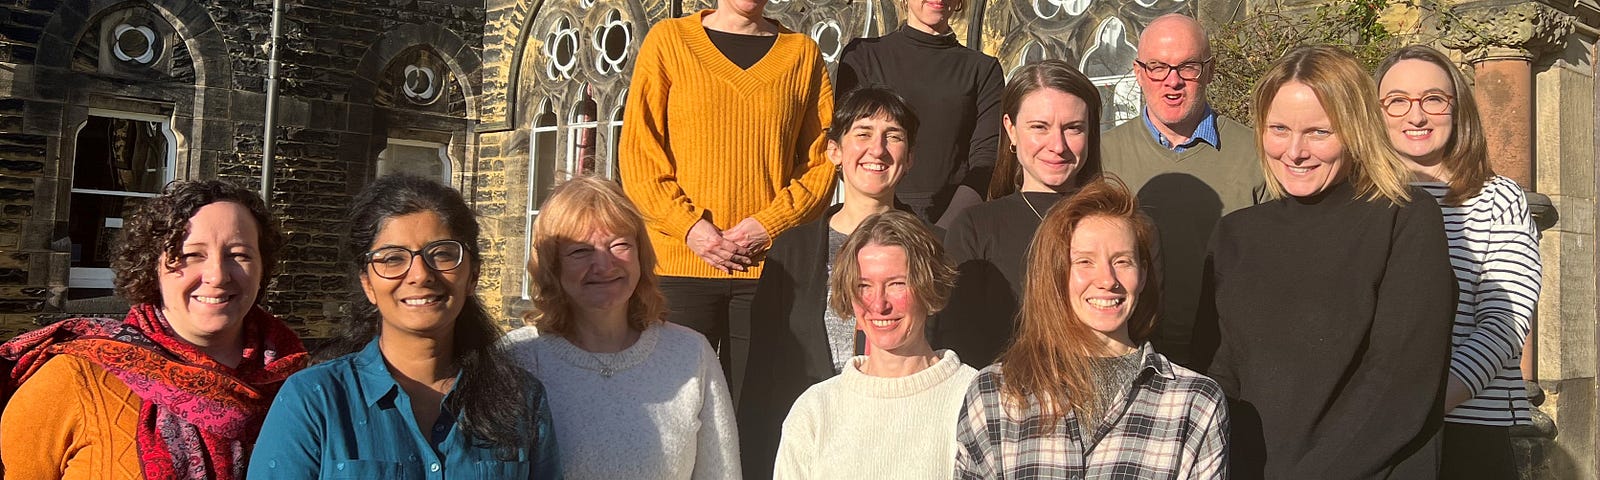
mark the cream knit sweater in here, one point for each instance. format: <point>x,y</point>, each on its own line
<point>662,413</point>
<point>858,426</point>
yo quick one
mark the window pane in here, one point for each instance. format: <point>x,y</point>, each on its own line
<point>120,155</point>
<point>423,160</point>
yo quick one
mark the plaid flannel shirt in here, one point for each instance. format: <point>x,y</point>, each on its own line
<point>1171,423</point>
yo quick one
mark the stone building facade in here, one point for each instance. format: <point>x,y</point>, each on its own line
<point>104,101</point>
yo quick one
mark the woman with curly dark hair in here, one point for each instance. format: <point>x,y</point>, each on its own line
<point>196,357</point>
<point>413,383</point>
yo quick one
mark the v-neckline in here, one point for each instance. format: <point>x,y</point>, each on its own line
<point>745,80</point>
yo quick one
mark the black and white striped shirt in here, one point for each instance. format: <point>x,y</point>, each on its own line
<point>1494,250</point>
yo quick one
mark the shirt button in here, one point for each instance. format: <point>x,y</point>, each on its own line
<point>433,467</point>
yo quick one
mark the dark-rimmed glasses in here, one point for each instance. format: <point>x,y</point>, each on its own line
<point>395,262</point>
<point>1398,105</point>
<point>1158,71</point>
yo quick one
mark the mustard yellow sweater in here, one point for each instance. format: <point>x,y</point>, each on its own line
<point>71,420</point>
<point>703,138</point>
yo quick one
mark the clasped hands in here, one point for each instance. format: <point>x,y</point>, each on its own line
<point>729,250</point>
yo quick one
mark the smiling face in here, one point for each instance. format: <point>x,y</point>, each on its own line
<point>1050,132</point>
<point>600,273</point>
<point>888,311</point>
<point>207,291</point>
<point>931,16</point>
<point>873,155</point>
<point>422,302</point>
<point>1106,278</point>
<point>1420,137</point>
<point>1173,102</point>
<point>1302,149</point>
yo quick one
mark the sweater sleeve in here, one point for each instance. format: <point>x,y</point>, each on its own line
<point>986,131</point>
<point>813,176</point>
<point>44,425</point>
<point>1401,374</point>
<point>1507,292</point>
<point>717,443</point>
<point>648,170</point>
<point>797,451</point>
<point>290,444</point>
<point>851,72</point>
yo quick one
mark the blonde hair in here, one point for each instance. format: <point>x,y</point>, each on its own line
<point>1050,358</point>
<point>576,209</point>
<point>1466,153</point>
<point>929,271</point>
<point>1350,98</point>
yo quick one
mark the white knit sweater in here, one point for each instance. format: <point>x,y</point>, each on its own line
<point>858,426</point>
<point>663,413</point>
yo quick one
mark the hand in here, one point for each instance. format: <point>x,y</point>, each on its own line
<point>1455,393</point>
<point>749,235</point>
<point>706,241</point>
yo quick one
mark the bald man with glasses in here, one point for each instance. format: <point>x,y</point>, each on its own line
<point>1189,166</point>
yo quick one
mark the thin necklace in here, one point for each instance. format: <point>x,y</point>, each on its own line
<point>605,367</point>
<point>1030,205</point>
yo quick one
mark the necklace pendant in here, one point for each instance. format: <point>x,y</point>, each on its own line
<point>605,372</point>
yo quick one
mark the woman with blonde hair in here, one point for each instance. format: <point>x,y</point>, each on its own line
<point>890,413</point>
<point>1433,122</point>
<point>632,395</point>
<point>1332,301</point>
<point>1081,393</point>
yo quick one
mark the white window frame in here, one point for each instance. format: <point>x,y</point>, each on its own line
<point>533,190</point>
<point>102,278</point>
<point>574,163</point>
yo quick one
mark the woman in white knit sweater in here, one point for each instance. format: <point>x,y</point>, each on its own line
<point>891,413</point>
<point>631,395</point>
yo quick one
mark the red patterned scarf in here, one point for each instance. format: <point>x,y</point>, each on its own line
<point>198,418</point>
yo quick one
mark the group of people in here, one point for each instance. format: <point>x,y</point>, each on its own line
<point>1343,289</point>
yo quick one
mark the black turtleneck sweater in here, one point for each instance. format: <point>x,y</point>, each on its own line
<point>1333,315</point>
<point>955,92</point>
<point>989,245</point>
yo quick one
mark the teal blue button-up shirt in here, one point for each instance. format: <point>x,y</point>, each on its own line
<point>347,418</point>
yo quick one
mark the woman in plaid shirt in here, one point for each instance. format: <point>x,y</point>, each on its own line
<point>1081,393</point>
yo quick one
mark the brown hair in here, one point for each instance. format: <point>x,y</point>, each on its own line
<point>1049,360</point>
<point>1466,153</point>
<point>159,226</point>
<point>574,210</point>
<point>930,272</point>
<point>1350,98</point>
<point>1056,75</point>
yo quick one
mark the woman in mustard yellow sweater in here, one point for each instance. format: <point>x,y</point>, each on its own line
<point>722,150</point>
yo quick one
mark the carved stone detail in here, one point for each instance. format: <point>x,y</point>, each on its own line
<point>1517,30</point>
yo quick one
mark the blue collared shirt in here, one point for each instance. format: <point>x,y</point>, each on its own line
<point>347,418</point>
<point>1205,132</point>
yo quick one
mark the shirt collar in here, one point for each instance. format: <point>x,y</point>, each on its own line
<point>1155,362</point>
<point>376,382</point>
<point>1206,131</point>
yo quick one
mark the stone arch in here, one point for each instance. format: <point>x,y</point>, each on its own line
<point>464,63</point>
<point>207,47</point>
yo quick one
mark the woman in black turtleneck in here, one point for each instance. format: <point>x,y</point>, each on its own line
<point>955,90</point>
<point>1051,146</point>
<point>1333,302</point>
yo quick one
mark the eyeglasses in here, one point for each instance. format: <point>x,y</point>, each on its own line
<point>395,262</point>
<point>1399,105</point>
<point>1158,71</point>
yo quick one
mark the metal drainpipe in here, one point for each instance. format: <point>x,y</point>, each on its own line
<point>269,138</point>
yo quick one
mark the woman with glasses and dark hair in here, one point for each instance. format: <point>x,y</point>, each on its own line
<point>956,92</point>
<point>179,387</point>
<point>1051,116</point>
<point>633,395</point>
<point>1494,249</point>
<point>414,382</point>
<point>1333,300</point>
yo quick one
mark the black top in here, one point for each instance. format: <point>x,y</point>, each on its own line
<point>1333,315</point>
<point>988,243</point>
<point>955,92</point>
<point>743,50</point>
<point>789,349</point>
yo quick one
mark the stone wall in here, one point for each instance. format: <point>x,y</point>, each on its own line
<point>339,103</point>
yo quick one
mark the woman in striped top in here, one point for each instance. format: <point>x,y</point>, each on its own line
<point>1494,250</point>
